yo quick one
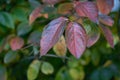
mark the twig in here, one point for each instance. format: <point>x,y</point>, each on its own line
<point>47,55</point>
<point>50,55</point>
<point>26,47</point>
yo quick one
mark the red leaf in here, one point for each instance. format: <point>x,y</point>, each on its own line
<point>105,6</point>
<point>87,9</point>
<point>51,34</point>
<point>107,20</point>
<point>16,43</point>
<point>35,14</point>
<point>108,34</point>
<point>76,39</point>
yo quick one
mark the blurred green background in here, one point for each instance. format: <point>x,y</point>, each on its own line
<point>99,62</point>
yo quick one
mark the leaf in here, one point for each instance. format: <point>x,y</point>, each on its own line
<point>102,74</point>
<point>60,47</point>
<point>47,68</point>
<point>34,3</point>
<point>6,20</point>
<point>20,14</point>
<point>95,57</point>
<point>93,38</point>
<point>51,2</point>
<point>2,44</point>
<point>63,74</point>
<point>23,29</point>
<point>77,74</point>
<point>35,37</point>
<point>10,57</point>
<point>16,43</point>
<point>106,20</point>
<point>65,8</point>
<point>76,39</point>
<point>93,33</point>
<point>106,74</point>
<point>87,9</point>
<point>105,6</point>
<point>51,34</point>
<point>33,70</point>
<point>108,34</point>
<point>3,73</point>
<point>95,75</point>
<point>35,14</point>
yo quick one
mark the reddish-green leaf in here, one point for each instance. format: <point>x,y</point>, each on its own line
<point>51,34</point>
<point>16,43</point>
<point>93,33</point>
<point>87,9</point>
<point>35,14</point>
<point>76,39</point>
<point>51,2</point>
<point>105,6</point>
<point>107,20</point>
<point>93,38</point>
<point>108,34</point>
<point>65,8</point>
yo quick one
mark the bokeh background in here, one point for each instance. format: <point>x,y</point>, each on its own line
<point>99,62</point>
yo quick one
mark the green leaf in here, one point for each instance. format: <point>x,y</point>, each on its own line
<point>34,37</point>
<point>63,74</point>
<point>6,20</point>
<point>102,74</point>
<point>34,3</point>
<point>23,29</point>
<point>106,74</point>
<point>20,14</point>
<point>77,74</point>
<point>33,70</point>
<point>95,75</point>
<point>47,68</point>
<point>10,57</point>
<point>3,75</point>
<point>95,57</point>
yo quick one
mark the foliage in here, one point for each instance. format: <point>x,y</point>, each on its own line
<point>29,29</point>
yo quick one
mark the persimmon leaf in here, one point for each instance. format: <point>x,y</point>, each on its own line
<point>93,33</point>
<point>51,2</point>
<point>92,38</point>
<point>87,9</point>
<point>106,20</point>
<point>35,14</point>
<point>105,6</point>
<point>34,37</point>
<point>47,68</point>
<point>65,8</point>
<point>10,57</point>
<point>108,34</point>
<point>33,70</point>
<point>23,29</point>
<point>6,19</point>
<point>76,39</point>
<point>51,34</point>
<point>60,47</point>
<point>16,43</point>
